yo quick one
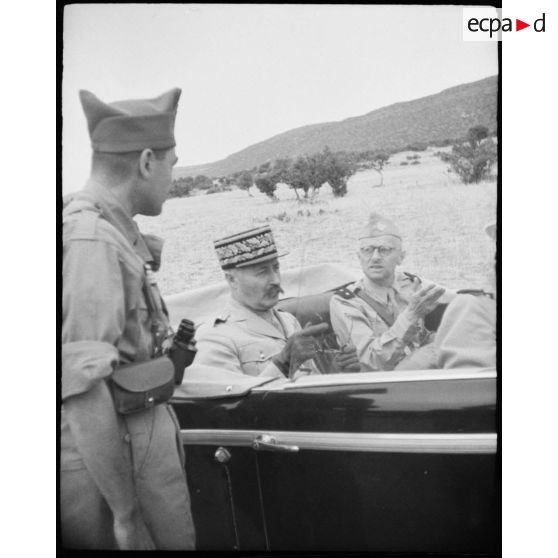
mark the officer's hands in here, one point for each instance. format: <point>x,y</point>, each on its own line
<point>132,534</point>
<point>347,360</point>
<point>424,301</point>
<point>301,346</point>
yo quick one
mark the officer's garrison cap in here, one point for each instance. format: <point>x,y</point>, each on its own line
<point>379,226</point>
<point>246,248</point>
<point>132,125</point>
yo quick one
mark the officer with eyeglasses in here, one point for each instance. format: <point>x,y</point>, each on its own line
<point>382,315</point>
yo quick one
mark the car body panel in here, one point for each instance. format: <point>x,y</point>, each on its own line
<point>398,461</point>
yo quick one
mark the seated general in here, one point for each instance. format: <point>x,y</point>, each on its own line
<point>251,336</point>
<point>382,315</point>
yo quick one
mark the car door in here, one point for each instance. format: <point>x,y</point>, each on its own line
<point>401,462</point>
<point>212,406</point>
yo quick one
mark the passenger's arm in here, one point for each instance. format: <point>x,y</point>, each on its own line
<point>375,351</point>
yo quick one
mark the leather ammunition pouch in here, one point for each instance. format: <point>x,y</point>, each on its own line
<point>139,386</point>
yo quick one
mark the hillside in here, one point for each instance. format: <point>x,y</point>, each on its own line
<point>445,115</point>
<point>441,219</point>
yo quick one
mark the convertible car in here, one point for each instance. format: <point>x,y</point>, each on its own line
<point>388,461</point>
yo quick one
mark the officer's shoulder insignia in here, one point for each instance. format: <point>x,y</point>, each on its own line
<point>344,292</point>
<point>221,318</point>
<point>476,292</point>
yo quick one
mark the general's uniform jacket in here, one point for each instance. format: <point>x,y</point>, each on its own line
<point>241,341</point>
<point>379,346</point>
<point>106,322</point>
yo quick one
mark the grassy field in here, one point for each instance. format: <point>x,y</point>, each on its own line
<point>441,220</point>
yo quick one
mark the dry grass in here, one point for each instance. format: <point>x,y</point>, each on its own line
<point>442,222</point>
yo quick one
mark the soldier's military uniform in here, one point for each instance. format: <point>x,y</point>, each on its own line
<point>107,322</point>
<point>379,346</point>
<point>241,341</point>
<point>466,337</point>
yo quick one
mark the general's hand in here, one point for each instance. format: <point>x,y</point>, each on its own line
<point>132,534</point>
<point>424,301</point>
<point>347,359</point>
<point>301,346</point>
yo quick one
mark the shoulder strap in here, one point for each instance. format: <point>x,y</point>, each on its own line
<point>377,306</point>
<point>476,292</point>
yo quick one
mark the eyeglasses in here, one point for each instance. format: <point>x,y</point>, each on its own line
<point>382,250</point>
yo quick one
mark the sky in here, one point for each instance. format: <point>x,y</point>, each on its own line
<point>249,72</point>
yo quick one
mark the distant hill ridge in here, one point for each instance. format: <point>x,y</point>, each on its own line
<point>432,119</point>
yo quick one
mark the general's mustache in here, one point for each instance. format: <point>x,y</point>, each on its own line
<point>277,289</point>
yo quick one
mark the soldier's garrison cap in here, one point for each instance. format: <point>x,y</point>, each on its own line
<point>246,248</point>
<point>132,125</point>
<point>379,226</point>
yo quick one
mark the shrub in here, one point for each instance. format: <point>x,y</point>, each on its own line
<point>415,162</point>
<point>403,163</point>
<point>417,147</point>
<point>182,187</point>
<point>472,159</point>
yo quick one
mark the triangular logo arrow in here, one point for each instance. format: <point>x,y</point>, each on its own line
<point>519,25</point>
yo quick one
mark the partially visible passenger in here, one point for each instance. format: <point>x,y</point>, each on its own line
<point>466,337</point>
<point>251,336</point>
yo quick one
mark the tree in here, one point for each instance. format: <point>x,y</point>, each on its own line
<point>476,134</point>
<point>337,168</point>
<point>377,163</point>
<point>245,181</point>
<point>298,176</point>
<point>181,187</point>
<point>202,182</point>
<point>266,184</point>
<point>311,172</point>
<point>472,159</point>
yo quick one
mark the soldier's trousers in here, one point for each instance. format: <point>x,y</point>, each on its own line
<point>150,440</point>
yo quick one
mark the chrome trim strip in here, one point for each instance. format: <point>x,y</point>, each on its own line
<point>347,441</point>
<point>367,378</point>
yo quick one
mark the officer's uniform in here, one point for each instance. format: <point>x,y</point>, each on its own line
<point>467,334</point>
<point>107,322</point>
<point>241,341</point>
<point>379,346</point>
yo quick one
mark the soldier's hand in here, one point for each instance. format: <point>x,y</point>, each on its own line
<point>347,359</point>
<point>301,346</point>
<point>424,301</point>
<point>132,534</point>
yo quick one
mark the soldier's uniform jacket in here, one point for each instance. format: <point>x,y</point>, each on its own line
<point>241,341</point>
<point>379,346</point>
<point>467,334</point>
<point>106,322</point>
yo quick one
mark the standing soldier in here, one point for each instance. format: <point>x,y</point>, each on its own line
<point>122,479</point>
